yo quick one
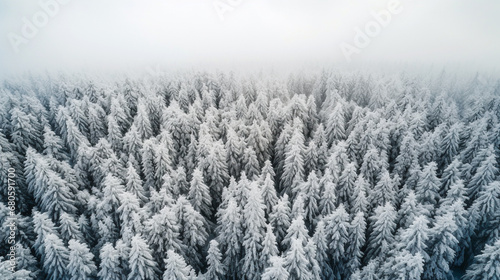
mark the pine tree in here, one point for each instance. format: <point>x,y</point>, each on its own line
<point>487,205</point>
<point>337,226</point>
<point>163,233</point>
<point>312,192</point>
<point>26,262</point>
<point>313,264</point>
<point>216,268</point>
<point>328,198</point>
<point>74,139</point>
<point>370,271</point>
<point>134,183</point>
<point>336,125</point>
<point>428,185</point>
<point>358,201</point>
<point>346,183</point>
<point>43,226</point>
<point>51,192</point>
<point>277,270</point>
<point>258,139</point>
<point>406,266</point>
<point>441,249</point>
<point>69,229</point>
<point>293,169</point>
<point>254,222</point>
<point>147,163</point>
<point>267,169</point>
<point>410,209</point>
<point>130,215</point>
<point>142,122</point>
<point>81,264</point>
<point>109,267</point>
<point>311,158</point>
<point>199,194</point>
<point>372,165</point>
<point>486,173</point>
<point>250,163</point>
<point>230,236</point>
<point>163,164</point>
<point>382,227</point>
<point>450,144</point>
<point>192,230</point>
<point>357,233</point>
<point>451,175</point>
<point>269,247</point>
<point>234,148</point>
<point>142,264</point>
<point>176,268</point>
<point>114,134</point>
<point>53,145</point>
<point>269,194</point>
<point>296,261</point>
<point>486,264</point>
<point>456,192</point>
<point>321,146</point>
<point>97,127</point>
<point>215,171</point>
<point>56,258</point>
<point>384,191</point>
<point>320,239</point>
<point>414,238</point>
<point>296,230</point>
<point>408,153</point>
<point>280,218</point>
<point>26,131</point>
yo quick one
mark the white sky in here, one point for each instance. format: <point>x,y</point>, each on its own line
<point>119,34</point>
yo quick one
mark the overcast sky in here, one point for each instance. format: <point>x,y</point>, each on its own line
<point>119,34</point>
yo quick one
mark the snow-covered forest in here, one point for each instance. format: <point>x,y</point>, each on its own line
<point>332,175</point>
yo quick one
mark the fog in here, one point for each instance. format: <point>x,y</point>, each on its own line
<point>117,35</point>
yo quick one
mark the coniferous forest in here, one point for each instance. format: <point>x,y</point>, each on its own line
<point>328,175</point>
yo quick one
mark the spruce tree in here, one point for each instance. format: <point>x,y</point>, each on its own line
<point>277,270</point>
<point>109,267</point>
<point>254,222</point>
<point>142,264</point>
<point>176,268</point>
<point>81,264</point>
<point>381,229</point>
<point>56,258</point>
<point>216,268</point>
<point>486,264</point>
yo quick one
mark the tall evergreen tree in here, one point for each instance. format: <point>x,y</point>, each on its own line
<point>56,258</point>
<point>216,268</point>
<point>176,268</point>
<point>382,227</point>
<point>81,264</point>
<point>110,263</point>
<point>277,270</point>
<point>486,264</point>
<point>254,222</point>
<point>142,264</point>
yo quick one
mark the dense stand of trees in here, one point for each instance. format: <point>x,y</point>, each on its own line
<point>209,176</point>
